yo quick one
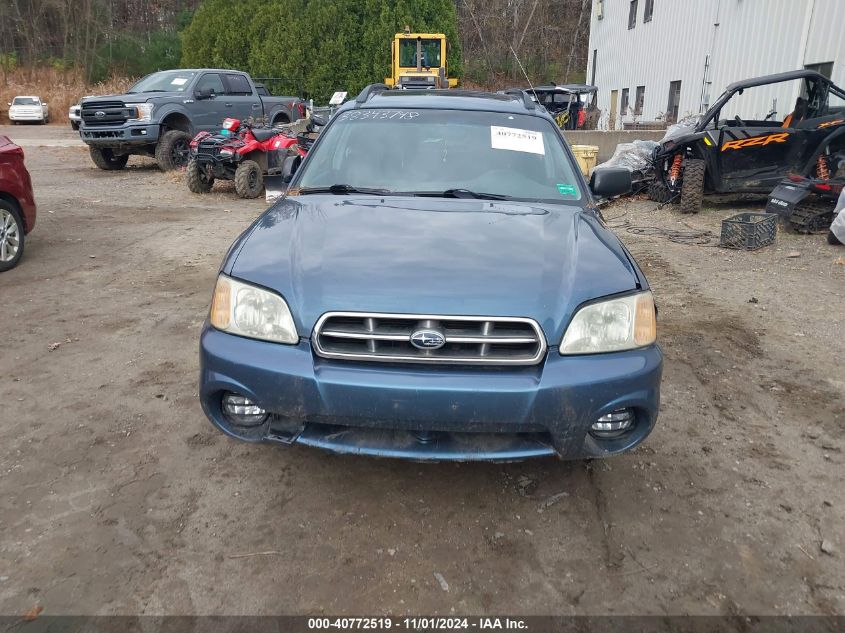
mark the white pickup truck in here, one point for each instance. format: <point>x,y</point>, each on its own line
<point>23,109</point>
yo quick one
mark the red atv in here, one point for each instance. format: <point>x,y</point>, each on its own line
<point>243,153</point>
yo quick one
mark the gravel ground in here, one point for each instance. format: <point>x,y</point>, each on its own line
<point>118,497</point>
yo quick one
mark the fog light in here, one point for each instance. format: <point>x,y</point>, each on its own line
<point>242,411</point>
<point>614,423</point>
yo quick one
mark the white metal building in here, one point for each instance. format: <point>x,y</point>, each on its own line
<point>664,59</point>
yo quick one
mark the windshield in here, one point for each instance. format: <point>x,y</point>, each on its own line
<point>439,151</point>
<point>430,53</point>
<point>25,101</point>
<point>167,81</point>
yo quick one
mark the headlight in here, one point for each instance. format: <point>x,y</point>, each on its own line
<point>143,111</point>
<point>611,326</point>
<point>245,310</point>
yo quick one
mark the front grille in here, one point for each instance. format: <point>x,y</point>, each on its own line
<point>208,148</point>
<point>469,340</point>
<point>114,113</point>
<point>418,85</point>
<point>106,134</point>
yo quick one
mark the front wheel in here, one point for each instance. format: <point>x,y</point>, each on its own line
<point>105,158</point>
<point>249,181</point>
<point>74,126</point>
<point>692,187</point>
<point>198,180</point>
<point>11,236</point>
<point>658,192</point>
<point>172,150</point>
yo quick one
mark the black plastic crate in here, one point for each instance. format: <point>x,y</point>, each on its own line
<point>749,231</point>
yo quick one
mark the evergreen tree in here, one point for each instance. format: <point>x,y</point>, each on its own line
<point>320,45</point>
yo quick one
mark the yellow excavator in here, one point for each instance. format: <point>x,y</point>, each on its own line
<point>418,61</point>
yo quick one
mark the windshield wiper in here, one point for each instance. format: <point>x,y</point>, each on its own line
<point>343,189</point>
<point>460,193</point>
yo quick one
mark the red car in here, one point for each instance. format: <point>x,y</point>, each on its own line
<point>17,204</point>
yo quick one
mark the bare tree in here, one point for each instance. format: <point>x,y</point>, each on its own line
<point>577,35</point>
<point>550,37</point>
<point>73,30</point>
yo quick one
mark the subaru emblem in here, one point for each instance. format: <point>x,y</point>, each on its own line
<point>428,339</point>
<point>99,114</point>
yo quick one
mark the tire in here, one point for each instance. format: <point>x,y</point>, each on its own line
<point>832,239</point>
<point>172,150</point>
<point>692,187</point>
<point>249,181</point>
<point>658,192</point>
<point>105,159</point>
<point>11,236</point>
<point>197,181</point>
<point>74,126</point>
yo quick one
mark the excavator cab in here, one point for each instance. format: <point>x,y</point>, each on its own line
<point>418,61</point>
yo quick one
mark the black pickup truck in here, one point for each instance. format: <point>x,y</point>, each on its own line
<point>161,113</point>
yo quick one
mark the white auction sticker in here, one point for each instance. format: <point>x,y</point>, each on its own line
<point>179,81</point>
<point>516,140</point>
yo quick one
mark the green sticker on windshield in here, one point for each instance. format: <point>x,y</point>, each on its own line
<point>567,190</point>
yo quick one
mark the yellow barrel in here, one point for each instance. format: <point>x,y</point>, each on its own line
<point>586,157</point>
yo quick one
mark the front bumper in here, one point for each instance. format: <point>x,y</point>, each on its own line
<point>217,166</point>
<point>26,116</point>
<point>120,136</point>
<point>431,413</point>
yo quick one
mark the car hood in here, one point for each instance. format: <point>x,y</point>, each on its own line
<point>432,256</point>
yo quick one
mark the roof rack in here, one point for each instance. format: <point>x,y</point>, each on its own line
<point>368,92</point>
<point>527,101</point>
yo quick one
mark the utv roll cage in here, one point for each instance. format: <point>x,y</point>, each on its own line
<point>739,86</point>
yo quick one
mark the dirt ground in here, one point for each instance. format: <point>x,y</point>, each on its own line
<point>118,497</point>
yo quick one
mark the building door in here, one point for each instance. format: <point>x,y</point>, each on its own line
<point>614,98</point>
<point>640,101</point>
<point>674,102</point>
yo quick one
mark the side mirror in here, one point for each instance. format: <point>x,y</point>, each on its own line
<point>609,182</point>
<point>289,168</point>
<point>318,121</point>
<point>207,93</point>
